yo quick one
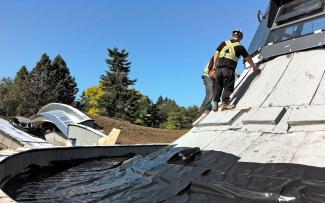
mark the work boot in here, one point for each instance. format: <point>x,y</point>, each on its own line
<point>225,106</point>
<point>215,107</point>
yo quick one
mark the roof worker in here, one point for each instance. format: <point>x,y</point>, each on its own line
<point>209,75</point>
<point>225,62</point>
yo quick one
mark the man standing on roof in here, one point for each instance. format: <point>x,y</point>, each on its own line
<point>209,74</point>
<point>225,62</point>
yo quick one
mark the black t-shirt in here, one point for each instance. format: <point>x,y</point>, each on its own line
<point>224,62</point>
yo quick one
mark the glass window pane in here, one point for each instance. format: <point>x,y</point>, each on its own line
<point>298,8</point>
<point>297,30</point>
<point>260,37</point>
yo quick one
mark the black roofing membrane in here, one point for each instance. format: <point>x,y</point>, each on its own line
<point>169,175</point>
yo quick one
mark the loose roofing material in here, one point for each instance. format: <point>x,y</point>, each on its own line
<point>61,116</point>
<point>22,137</point>
<point>170,175</point>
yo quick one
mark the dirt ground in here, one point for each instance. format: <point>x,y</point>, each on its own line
<point>135,134</point>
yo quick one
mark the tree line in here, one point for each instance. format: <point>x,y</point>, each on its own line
<point>49,81</point>
<point>114,96</point>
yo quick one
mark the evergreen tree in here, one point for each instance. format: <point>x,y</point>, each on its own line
<point>132,109</point>
<point>28,92</point>
<point>7,106</point>
<point>62,85</point>
<point>50,82</point>
<point>190,115</point>
<point>153,117</point>
<point>83,102</point>
<point>22,92</point>
<point>143,114</point>
<point>175,120</point>
<point>39,84</point>
<point>166,108</point>
<point>15,94</point>
<point>21,77</point>
<point>172,116</point>
<point>10,95</point>
<point>161,113</point>
<point>115,84</point>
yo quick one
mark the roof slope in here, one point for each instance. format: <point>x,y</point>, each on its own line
<point>286,123</point>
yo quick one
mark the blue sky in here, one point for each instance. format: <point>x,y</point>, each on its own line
<point>169,41</point>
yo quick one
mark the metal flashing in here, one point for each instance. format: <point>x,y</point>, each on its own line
<point>294,45</point>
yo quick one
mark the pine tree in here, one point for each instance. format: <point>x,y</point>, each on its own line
<point>132,109</point>
<point>51,82</point>
<point>190,115</point>
<point>22,92</point>
<point>166,108</point>
<point>21,77</point>
<point>162,113</point>
<point>83,102</point>
<point>62,85</point>
<point>39,84</point>
<point>175,120</point>
<point>153,118</point>
<point>116,84</point>
<point>7,106</point>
